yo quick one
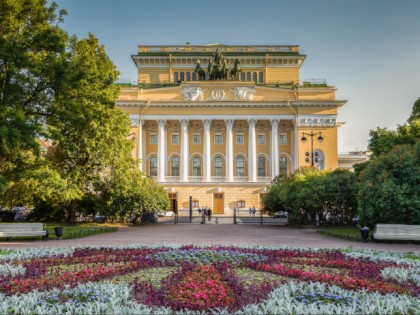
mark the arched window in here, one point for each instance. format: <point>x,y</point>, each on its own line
<point>240,166</point>
<point>248,76</point>
<point>283,165</point>
<point>254,77</point>
<point>196,166</point>
<point>242,76</point>
<point>182,77</point>
<point>175,166</point>
<point>261,166</point>
<point>261,78</point>
<point>194,76</point>
<point>188,76</point>
<point>319,159</point>
<point>218,166</point>
<point>153,166</point>
<point>176,77</point>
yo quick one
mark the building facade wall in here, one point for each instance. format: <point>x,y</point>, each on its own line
<point>161,109</point>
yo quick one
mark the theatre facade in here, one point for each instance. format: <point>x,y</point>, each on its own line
<point>217,123</point>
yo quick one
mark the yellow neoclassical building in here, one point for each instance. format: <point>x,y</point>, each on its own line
<point>220,136</point>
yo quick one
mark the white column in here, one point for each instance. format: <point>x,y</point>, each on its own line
<point>229,150</point>
<point>295,147</point>
<point>207,150</point>
<point>252,151</point>
<point>140,145</point>
<point>161,150</point>
<point>274,148</point>
<point>184,151</point>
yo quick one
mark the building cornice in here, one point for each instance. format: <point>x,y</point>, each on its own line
<point>230,104</point>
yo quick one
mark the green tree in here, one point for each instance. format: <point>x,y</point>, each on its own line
<point>383,140</point>
<point>390,187</point>
<point>310,194</point>
<point>59,90</point>
<point>127,194</point>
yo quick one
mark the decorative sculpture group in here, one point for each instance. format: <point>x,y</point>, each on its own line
<point>218,68</point>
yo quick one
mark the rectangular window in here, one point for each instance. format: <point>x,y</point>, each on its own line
<point>239,139</point>
<point>153,139</point>
<point>218,139</point>
<point>261,139</point>
<point>241,204</point>
<point>283,138</point>
<point>175,139</point>
<point>196,139</point>
<point>195,203</point>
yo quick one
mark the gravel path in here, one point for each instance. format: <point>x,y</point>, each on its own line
<point>214,234</point>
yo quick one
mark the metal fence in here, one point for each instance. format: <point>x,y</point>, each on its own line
<point>240,216</point>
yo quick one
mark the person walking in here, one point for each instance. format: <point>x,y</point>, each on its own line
<point>254,211</point>
<point>209,214</point>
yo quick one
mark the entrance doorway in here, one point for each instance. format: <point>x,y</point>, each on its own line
<point>173,202</point>
<point>218,203</point>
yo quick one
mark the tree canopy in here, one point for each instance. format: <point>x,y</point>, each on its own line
<point>61,134</point>
<point>310,195</point>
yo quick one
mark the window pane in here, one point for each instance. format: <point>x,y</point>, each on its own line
<point>319,160</point>
<point>261,166</point>
<point>283,165</point>
<point>153,166</point>
<point>196,166</point>
<point>239,139</point>
<point>240,166</point>
<point>261,139</point>
<point>153,139</point>
<point>175,139</point>
<point>283,139</point>
<point>175,166</point>
<point>196,139</point>
<point>218,139</point>
<point>218,166</point>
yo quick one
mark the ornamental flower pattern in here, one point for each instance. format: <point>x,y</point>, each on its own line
<point>209,278</point>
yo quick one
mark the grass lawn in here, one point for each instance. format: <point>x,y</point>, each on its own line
<point>352,233</point>
<point>180,279</point>
<point>72,231</point>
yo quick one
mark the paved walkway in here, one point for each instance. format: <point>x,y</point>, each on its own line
<point>214,234</point>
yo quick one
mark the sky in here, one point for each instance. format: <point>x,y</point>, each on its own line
<point>368,49</point>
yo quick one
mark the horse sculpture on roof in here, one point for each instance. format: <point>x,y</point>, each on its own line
<point>234,73</point>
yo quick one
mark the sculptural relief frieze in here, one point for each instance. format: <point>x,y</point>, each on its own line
<point>243,93</point>
<point>240,125</point>
<point>196,126</point>
<point>285,126</point>
<point>218,125</point>
<point>150,125</point>
<point>193,93</point>
<point>174,125</point>
<point>263,126</point>
<point>317,122</point>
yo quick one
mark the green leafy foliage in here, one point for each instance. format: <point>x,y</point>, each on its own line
<point>310,193</point>
<point>390,182</point>
<point>62,138</point>
<point>390,187</point>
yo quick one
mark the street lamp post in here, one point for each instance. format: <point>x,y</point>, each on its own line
<point>304,139</point>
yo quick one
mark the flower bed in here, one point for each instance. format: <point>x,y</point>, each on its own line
<point>158,279</point>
